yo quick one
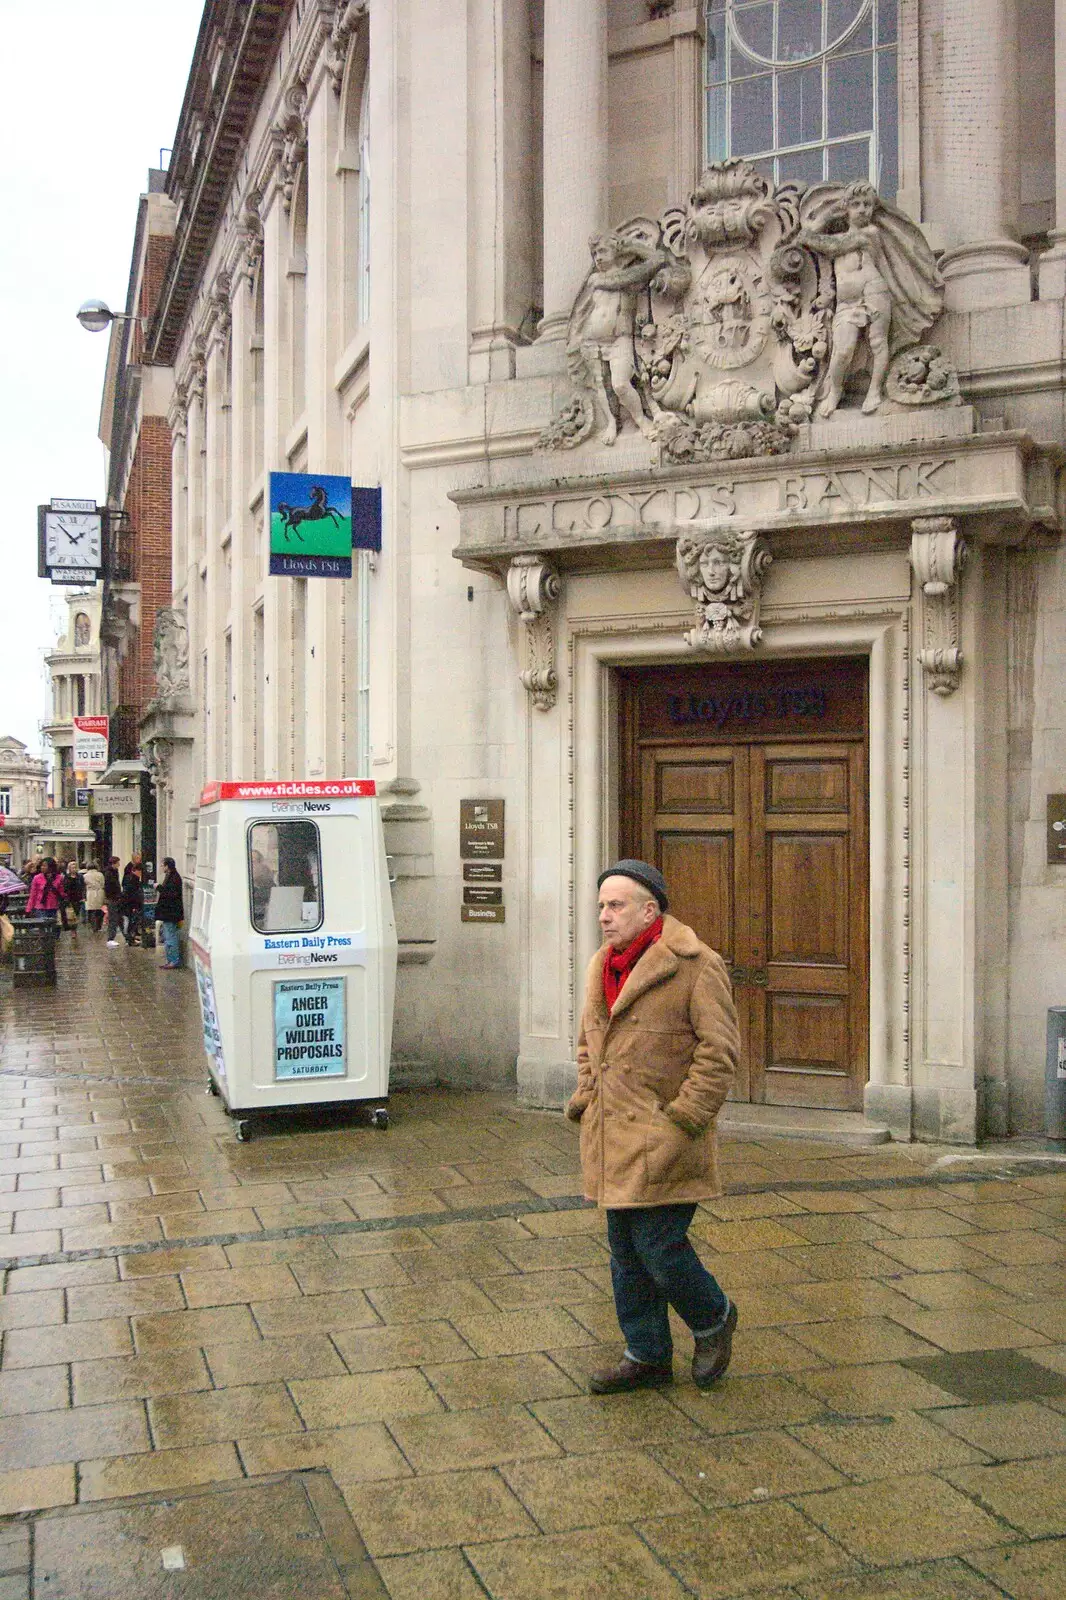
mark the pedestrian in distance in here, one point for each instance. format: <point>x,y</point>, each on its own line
<point>113,900</point>
<point>133,899</point>
<point>74,887</point>
<point>170,912</point>
<point>657,1052</point>
<point>47,895</point>
<point>94,896</point>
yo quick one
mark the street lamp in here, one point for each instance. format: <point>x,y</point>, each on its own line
<point>95,316</point>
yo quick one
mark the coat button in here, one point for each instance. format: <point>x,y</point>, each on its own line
<point>631,1116</point>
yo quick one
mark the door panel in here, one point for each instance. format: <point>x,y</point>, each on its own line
<point>807,1033</point>
<point>806,894</point>
<point>702,865</point>
<point>763,845</point>
<point>809,1027</point>
<point>696,786</point>
<point>695,826</point>
<point>807,786</point>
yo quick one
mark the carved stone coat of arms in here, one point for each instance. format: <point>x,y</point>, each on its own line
<point>719,328</point>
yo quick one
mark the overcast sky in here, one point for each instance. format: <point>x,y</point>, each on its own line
<point>96,94</point>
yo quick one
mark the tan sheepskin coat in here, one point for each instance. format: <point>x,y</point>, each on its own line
<point>653,1074</point>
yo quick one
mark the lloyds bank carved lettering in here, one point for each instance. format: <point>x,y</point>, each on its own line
<point>825,494</point>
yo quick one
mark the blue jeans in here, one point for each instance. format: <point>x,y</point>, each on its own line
<point>171,942</point>
<point>653,1266</point>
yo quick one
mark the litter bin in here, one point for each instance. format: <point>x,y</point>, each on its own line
<point>33,952</point>
<point>1055,1076</point>
<point>151,897</point>
<point>294,944</point>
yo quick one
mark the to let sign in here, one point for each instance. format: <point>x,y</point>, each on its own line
<point>90,744</point>
<point>481,830</point>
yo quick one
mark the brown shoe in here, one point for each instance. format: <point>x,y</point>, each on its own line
<point>630,1374</point>
<point>713,1352</point>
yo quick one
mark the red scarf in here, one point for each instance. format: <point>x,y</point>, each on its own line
<point>620,963</point>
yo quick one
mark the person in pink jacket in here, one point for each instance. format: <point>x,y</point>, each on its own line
<point>47,894</point>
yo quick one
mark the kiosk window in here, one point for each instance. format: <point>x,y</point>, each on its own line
<point>285,876</point>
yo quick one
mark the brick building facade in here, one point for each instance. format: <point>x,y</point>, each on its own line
<point>134,428</point>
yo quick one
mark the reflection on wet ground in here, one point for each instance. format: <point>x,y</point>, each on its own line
<point>372,1348</point>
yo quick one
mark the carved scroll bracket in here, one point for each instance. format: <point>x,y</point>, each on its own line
<point>250,236</point>
<point>937,557</point>
<point>346,19</point>
<point>533,586</point>
<point>723,572</point>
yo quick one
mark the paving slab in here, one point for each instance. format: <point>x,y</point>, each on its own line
<point>214,1539</point>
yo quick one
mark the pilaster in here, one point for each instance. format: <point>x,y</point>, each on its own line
<point>575,150</point>
<point>242,535</point>
<point>983,265</point>
<point>1053,262</point>
<point>959,868</point>
<point>389,585</point>
<point>277,602</point>
<point>325,285</point>
<point>501,244</point>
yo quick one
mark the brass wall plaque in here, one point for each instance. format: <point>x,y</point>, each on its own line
<point>483,913</point>
<point>1056,828</point>
<point>482,872</point>
<point>482,895</point>
<point>481,829</point>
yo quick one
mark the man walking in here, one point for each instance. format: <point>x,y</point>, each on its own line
<point>132,902</point>
<point>657,1052</point>
<point>113,898</point>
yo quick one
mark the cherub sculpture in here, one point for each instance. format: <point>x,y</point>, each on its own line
<point>170,650</point>
<point>599,339</point>
<point>887,284</point>
<point>722,571</point>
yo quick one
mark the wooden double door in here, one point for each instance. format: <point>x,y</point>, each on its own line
<point>761,832</point>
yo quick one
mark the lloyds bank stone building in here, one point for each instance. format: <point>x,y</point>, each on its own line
<point>710,359</point>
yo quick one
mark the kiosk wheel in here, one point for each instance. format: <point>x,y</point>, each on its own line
<point>379,1117</point>
<point>211,1087</point>
<point>242,1129</point>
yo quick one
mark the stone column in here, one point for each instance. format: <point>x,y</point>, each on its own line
<point>689,45</point>
<point>243,530</point>
<point>500,160</point>
<point>1053,263</point>
<point>277,592</point>
<point>194,546</point>
<point>325,442</point>
<point>984,265</point>
<point>958,839</point>
<point>575,149</point>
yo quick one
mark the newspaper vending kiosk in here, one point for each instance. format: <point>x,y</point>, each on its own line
<point>294,943</point>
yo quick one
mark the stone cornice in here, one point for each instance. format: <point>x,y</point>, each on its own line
<point>260,174</point>
<point>1006,487</point>
<point>212,130</point>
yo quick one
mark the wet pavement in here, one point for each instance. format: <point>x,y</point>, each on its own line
<point>341,1362</point>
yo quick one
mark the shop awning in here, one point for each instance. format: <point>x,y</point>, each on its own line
<point>120,772</point>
